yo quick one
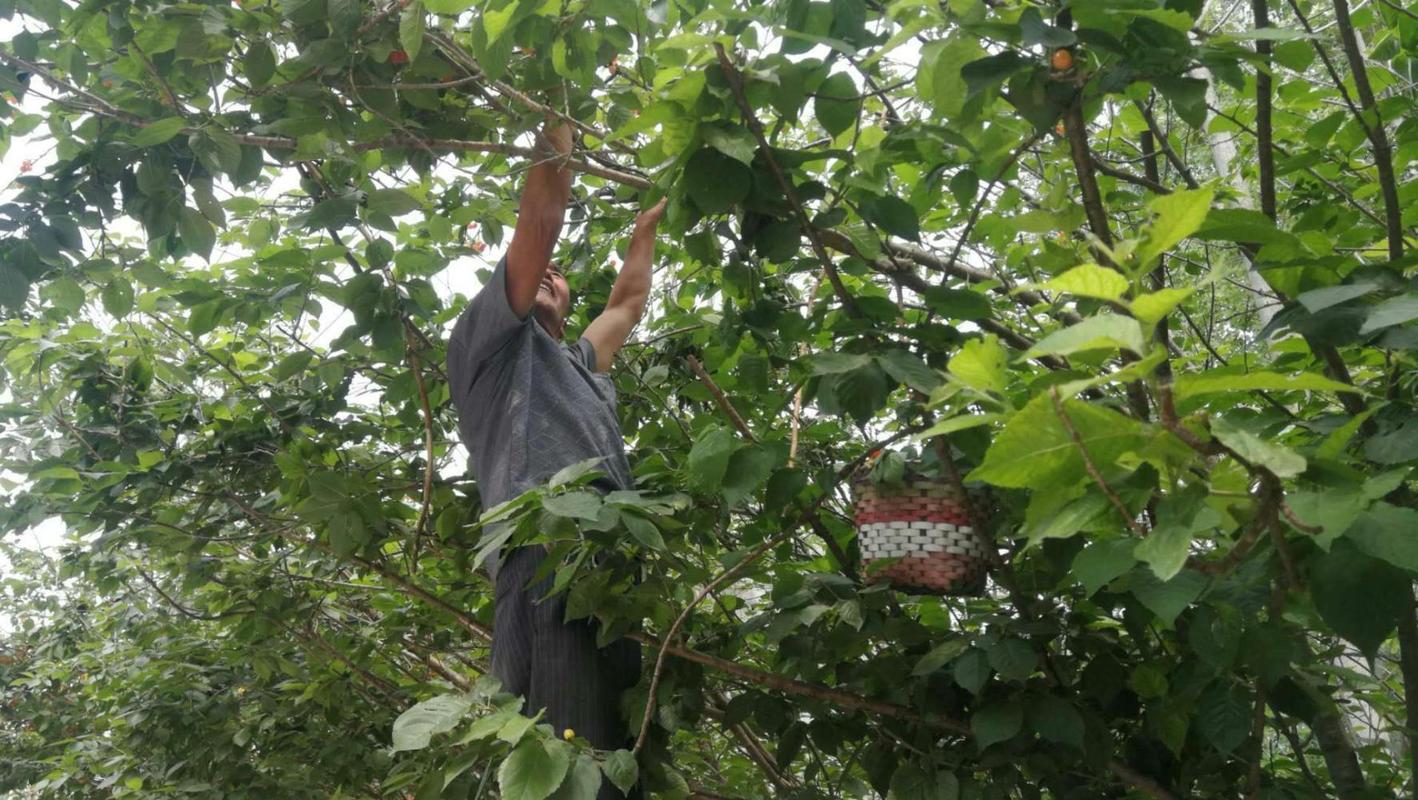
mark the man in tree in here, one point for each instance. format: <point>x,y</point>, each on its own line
<point>529,405</point>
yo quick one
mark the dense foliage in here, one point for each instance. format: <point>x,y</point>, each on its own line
<point>1133,270</point>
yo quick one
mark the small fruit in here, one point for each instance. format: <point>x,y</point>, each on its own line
<point>398,57</point>
<point>26,165</point>
<point>1059,128</point>
<point>568,734</point>
<point>478,246</point>
<point>1061,59</point>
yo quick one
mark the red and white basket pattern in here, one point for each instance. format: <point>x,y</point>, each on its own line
<point>925,529</point>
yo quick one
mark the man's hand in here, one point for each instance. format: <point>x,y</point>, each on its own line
<point>608,332</point>
<point>539,218</point>
<point>648,220</point>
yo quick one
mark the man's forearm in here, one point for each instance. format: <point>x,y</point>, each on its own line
<point>632,285</point>
<point>540,214</point>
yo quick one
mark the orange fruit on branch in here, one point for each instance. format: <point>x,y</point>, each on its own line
<point>1061,59</point>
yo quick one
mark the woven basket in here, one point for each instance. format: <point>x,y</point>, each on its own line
<point>922,534</point>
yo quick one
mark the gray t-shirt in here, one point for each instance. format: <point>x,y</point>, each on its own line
<point>528,405</point>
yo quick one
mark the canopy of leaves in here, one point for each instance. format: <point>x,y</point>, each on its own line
<point>1137,272</point>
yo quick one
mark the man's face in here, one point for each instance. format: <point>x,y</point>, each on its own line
<point>553,301</point>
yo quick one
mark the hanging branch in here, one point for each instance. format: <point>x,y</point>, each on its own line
<point>1265,149</point>
<point>1378,136</point>
<point>735,80</point>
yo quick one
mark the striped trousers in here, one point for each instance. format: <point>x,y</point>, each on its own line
<point>555,665</point>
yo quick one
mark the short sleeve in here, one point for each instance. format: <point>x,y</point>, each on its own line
<point>482,329</point>
<point>583,353</point>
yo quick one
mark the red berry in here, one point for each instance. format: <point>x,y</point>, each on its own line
<point>398,57</point>
<point>26,165</point>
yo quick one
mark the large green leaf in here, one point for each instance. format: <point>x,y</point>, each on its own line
<point>1359,596</point>
<point>715,182</point>
<point>1257,449</point>
<point>1179,215</point>
<point>415,728</point>
<point>997,722</point>
<point>533,770</point>
<point>1036,451</point>
<point>838,103</point>
<point>1104,331</point>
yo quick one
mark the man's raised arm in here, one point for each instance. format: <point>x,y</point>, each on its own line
<point>539,218</point>
<point>626,305</point>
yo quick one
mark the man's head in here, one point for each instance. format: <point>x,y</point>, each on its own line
<point>553,301</point>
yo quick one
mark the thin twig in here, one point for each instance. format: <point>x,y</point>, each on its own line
<point>735,80</point>
<point>720,398</point>
<point>1092,468</point>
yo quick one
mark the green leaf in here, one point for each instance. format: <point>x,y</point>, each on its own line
<point>411,27</point>
<point>893,215</point>
<point>197,233</point>
<point>731,140</point>
<point>416,727</point>
<point>971,670</point>
<point>987,72</point>
<point>911,782</point>
<point>343,17</point>
<point>862,392</point>
<point>1102,331</point>
<point>1168,598</point>
<point>118,297</point>
<point>1281,460</point>
<point>1223,716</point>
<point>997,722</point>
<point>1056,720</point>
<point>1395,445</point>
<point>1388,532</point>
<point>1179,215</point>
<point>1037,33</point>
<point>1013,659</point>
<point>259,63</point>
<point>621,769</point>
<point>1102,561</point>
<point>582,782</point>
<point>940,655</point>
<point>1035,451</point>
<point>157,132</point>
<point>960,304</point>
<point>715,182</point>
<point>981,364</point>
<point>910,370</point>
<point>533,771</point>
<point>644,531</point>
<point>292,364</point>
<point>1213,381</point>
<point>1179,518</point>
<point>1150,308</point>
<point>709,458</point>
<point>1393,311</point>
<point>747,470</point>
<point>575,505</point>
<point>1317,300</point>
<point>938,76</point>
<point>515,728</point>
<point>1359,596</point>
<point>391,202</point>
<point>960,423</point>
<point>451,7</point>
<point>1090,280</point>
<point>832,363</point>
<point>837,103</point>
